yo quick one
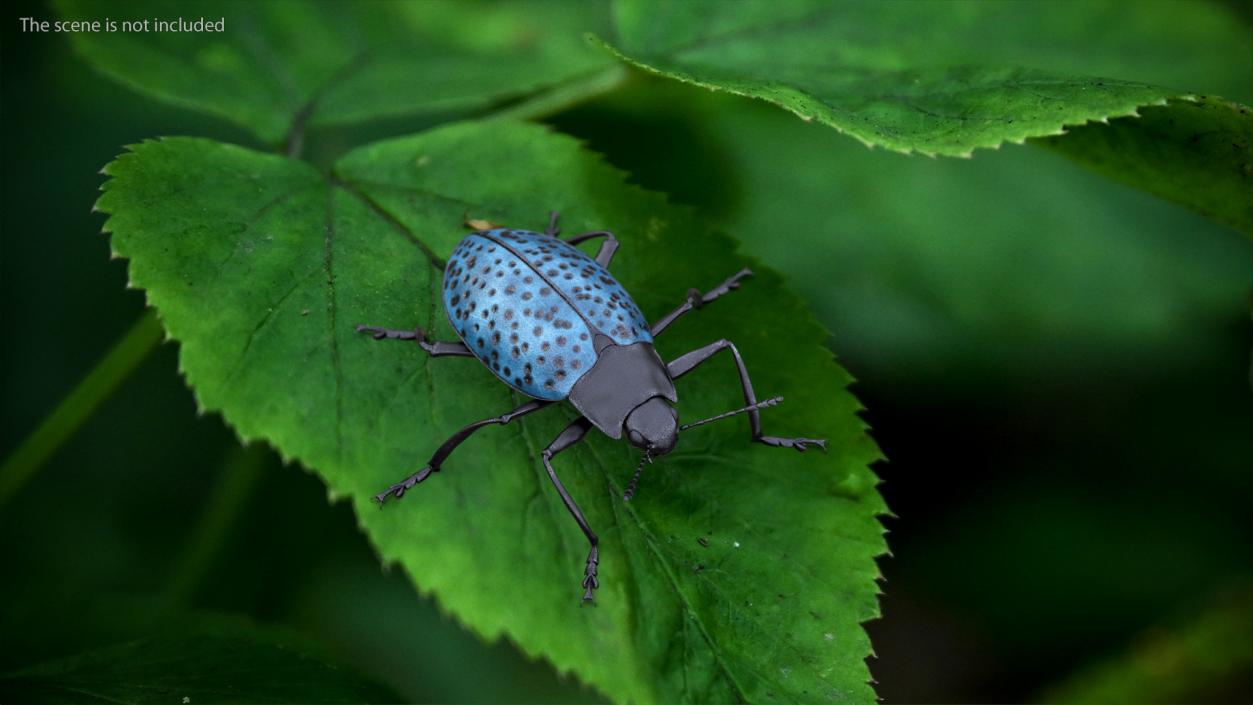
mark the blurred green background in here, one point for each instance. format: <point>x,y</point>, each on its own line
<point>1056,365</point>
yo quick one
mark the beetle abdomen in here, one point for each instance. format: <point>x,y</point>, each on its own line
<point>529,305</point>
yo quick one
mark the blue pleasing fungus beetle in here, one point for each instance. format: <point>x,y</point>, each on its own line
<point>554,324</point>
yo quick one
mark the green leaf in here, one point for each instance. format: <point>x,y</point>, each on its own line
<point>933,273</point>
<point>219,665</point>
<point>949,78</point>
<point>940,79</point>
<point>739,572</point>
<point>1197,153</point>
<point>1205,656</point>
<point>279,66</point>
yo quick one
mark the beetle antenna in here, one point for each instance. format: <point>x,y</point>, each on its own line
<point>751,407</point>
<point>630,490</point>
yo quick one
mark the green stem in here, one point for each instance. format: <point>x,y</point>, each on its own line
<point>563,96</point>
<point>234,487</point>
<point>79,405</point>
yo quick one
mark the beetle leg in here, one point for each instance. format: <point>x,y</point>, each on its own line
<point>607,248</point>
<point>552,229</point>
<point>686,363</point>
<point>695,299</point>
<point>437,348</point>
<point>441,454</point>
<point>568,437</point>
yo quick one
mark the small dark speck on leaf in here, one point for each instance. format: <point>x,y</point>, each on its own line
<point>304,312</point>
<point>702,541</point>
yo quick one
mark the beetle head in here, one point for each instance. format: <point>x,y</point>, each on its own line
<point>653,427</point>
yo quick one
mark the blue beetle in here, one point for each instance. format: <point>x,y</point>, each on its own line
<point>555,325</point>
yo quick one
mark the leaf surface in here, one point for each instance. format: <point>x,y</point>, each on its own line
<point>936,273</point>
<point>221,665</point>
<point>278,65</point>
<point>949,78</point>
<point>940,79</point>
<point>1198,153</point>
<point>738,573</point>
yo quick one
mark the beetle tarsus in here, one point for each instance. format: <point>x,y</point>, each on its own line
<point>800,444</point>
<point>389,334</point>
<point>590,583</point>
<point>398,490</point>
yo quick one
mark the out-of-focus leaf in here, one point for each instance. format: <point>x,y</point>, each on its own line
<point>942,78</point>
<point>1015,263</point>
<point>739,572</point>
<point>223,665</point>
<point>1197,153</point>
<point>278,64</point>
<point>949,78</point>
<point>1207,657</point>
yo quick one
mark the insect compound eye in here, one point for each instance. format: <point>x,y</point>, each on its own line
<point>635,438</point>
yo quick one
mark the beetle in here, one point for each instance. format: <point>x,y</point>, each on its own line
<point>552,323</point>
